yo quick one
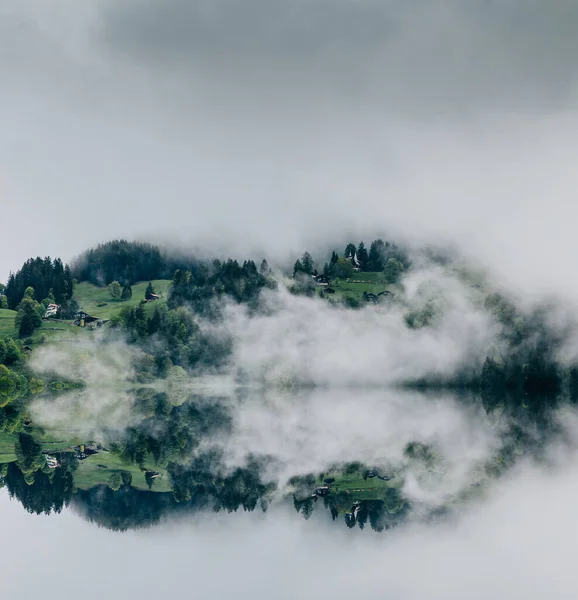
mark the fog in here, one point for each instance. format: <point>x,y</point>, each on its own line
<point>265,128</point>
<point>303,340</point>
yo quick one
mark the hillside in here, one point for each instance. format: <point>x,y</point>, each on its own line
<point>96,301</point>
<point>353,287</point>
<point>7,328</point>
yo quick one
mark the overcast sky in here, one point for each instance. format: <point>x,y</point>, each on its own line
<point>265,124</point>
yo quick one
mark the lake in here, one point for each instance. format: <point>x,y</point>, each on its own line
<point>287,493</point>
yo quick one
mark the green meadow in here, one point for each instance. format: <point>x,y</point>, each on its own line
<point>96,301</point>
<point>7,328</point>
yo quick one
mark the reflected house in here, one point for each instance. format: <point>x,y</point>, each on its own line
<point>51,461</point>
<point>83,451</point>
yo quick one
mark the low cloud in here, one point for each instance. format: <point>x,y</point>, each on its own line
<point>306,341</point>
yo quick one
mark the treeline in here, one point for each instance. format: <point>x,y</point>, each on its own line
<point>381,257</point>
<point>527,363</point>
<point>49,278</point>
<point>125,262</point>
<point>197,288</point>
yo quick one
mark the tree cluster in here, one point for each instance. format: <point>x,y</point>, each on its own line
<point>199,288</point>
<point>125,262</point>
<point>49,279</point>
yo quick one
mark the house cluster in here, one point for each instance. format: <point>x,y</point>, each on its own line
<point>51,310</point>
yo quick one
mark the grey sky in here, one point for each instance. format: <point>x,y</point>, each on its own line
<point>251,125</point>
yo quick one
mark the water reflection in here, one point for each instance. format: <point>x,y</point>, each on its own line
<point>127,459</point>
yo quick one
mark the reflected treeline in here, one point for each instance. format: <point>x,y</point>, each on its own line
<point>170,458</point>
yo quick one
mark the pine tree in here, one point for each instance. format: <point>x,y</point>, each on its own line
<point>154,323</point>
<point>297,267</point>
<point>362,256</point>
<point>264,268</point>
<point>307,263</point>
<point>126,292</point>
<point>350,250</point>
<point>376,255</point>
<point>149,291</point>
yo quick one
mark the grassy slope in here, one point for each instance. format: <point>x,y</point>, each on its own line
<point>372,283</point>
<point>90,296</point>
<point>7,441</point>
<point>362,489</point>
<point>7,323</point>
<point>90,474</point>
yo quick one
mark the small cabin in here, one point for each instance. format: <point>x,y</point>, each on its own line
<point>83,318</point>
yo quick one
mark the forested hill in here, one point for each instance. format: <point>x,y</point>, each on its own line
<point>126,262</point>
<point>189,293</point>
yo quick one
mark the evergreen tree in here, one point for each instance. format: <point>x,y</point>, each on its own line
<point>362,256</point>
<point>307,263</point>
<point>264,269</point>
<point>297,267</point>
<point>126,292</point>
<point>149,291</point>
<point>376,255</point>
<point>154,323</point>
<point>140,320</point>
<point>350,250</point>
<point>334,258</point>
